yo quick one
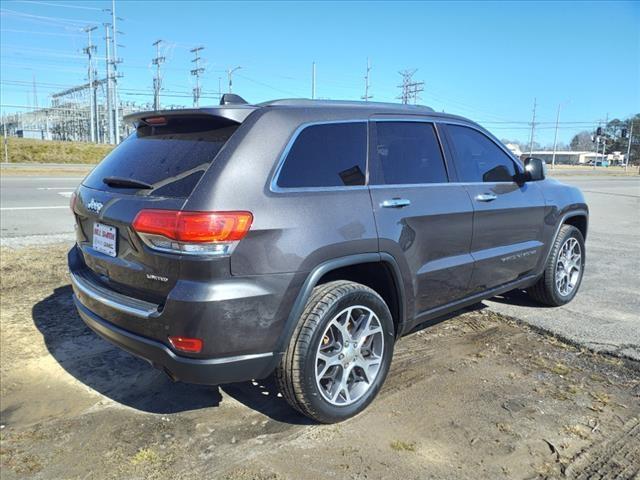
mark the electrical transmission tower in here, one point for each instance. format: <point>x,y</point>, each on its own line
<point>89,51</point>
<point>366,95</point>
<point>410,88</point>
<point>157,80</point>
<point>196,72</point>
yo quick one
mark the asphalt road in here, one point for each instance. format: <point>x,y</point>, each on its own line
<point>604,316</point>
<point>33,205</point>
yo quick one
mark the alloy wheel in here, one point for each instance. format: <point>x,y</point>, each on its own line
<point>568,267</point>
<point>349,356</point>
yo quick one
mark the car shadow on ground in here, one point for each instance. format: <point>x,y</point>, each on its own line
<point>131,381</point>
<point>519,298</point>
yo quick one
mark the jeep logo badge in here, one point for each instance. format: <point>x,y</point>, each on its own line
<point>94,206</point>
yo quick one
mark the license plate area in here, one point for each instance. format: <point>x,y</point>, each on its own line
<point>104,239</point>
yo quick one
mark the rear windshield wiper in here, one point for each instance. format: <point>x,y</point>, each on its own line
<point>126,183</point>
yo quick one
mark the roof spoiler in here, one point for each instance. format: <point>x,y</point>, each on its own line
<point>235,113</point>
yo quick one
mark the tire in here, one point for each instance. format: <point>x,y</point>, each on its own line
<point>340,315</point>
<point>547,290</point>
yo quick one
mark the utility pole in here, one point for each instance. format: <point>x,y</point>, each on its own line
<point>410,88</point>
<point>35,92</point>
<point>219,88</point>
<point>157,81</point>
<point>88,50</point>
<point>597,141</point>
<point>366,96</point>
<point>107,29</point>
<point>196,72</point>
<point>555,140</point>
<point>626,163</point>
<point>116,61</point>
<point>313,80</point>
<point>533,126</point>
<point>6,148</point>
<point>230,77</point>
<point>604,137</point>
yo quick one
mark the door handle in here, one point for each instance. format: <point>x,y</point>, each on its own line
<point>486,197</point>
<point>395,203</point>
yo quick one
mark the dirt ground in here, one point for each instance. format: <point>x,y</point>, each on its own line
<point>476,396</point>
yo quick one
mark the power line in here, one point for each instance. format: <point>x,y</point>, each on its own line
<point>57,5</point>
<point>33,32</point>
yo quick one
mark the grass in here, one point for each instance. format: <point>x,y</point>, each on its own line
<point>25,150</point>
<point>145,455</point>
<point>400,446</point>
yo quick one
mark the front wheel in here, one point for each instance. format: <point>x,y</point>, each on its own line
<point>339,354</point>
<point>564,269</point>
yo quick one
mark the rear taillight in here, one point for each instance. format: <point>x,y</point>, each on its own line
<point>185,344</point>
<point>196,233</point>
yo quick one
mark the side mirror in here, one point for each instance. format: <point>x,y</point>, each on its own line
<point>535,169</point>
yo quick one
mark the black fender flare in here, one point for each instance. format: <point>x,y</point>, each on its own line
<point>562,219</point>
<point>327,266</point>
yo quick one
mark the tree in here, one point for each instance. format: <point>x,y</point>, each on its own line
<point>582,142</point>
<point>612,134</point>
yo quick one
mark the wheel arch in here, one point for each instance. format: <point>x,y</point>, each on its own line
<point>578,218</point>
<point>331,270</point>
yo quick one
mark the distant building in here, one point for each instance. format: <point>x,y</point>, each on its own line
<point>515,149</point>
<point>569,157</point>
<point>35,134</point>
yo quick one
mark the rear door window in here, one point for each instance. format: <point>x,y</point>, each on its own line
<point>171,157</point>
<point>478,159</point>
<point>408,153</point>
<point>326,155</point>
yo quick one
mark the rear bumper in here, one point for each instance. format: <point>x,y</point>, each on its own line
<point>191,370</point>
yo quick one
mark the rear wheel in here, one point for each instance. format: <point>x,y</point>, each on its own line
<point>339,354</point>
<point>563,273</point>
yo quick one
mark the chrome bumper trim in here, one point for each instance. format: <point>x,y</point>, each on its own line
<point>115,300</point>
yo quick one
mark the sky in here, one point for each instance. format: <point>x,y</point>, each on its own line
<point>484,60</point>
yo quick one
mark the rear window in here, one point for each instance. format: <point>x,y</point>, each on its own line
<point>171,158</point>
<point>329,155</point>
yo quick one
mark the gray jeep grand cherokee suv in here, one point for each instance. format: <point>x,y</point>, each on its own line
<point>305,237</point>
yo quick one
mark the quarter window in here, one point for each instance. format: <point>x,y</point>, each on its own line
<point>329,155</point>
<point>478,158</point>
<point>409,153</point>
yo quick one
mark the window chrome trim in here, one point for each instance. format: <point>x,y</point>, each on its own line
<point>440,184</point>
<point>273,185</point>
<point>422,118</point>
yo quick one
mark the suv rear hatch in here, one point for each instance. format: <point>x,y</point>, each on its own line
<point>156,168</point>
